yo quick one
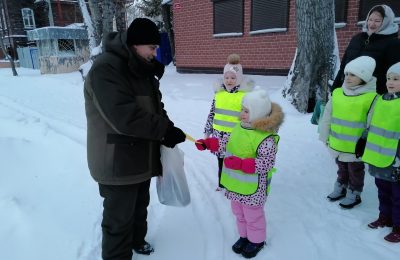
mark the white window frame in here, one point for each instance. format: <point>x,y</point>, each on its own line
<point>28,18</point>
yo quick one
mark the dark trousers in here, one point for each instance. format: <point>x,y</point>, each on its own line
<point>220,164</point>
<point>389,199</point>
<point>124,224</point>
<point>351,174</point>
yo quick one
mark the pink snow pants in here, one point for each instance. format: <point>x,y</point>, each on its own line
<point>250,221</point>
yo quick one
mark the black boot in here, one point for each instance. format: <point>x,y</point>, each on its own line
<point>240,244</point>
<point>144,249</point>
<point>252,249</point>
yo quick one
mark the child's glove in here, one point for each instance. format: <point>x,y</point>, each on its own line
<point>211,144</point>
<point>360,147</point>
<point>233,162</point>
<point>249,165</point>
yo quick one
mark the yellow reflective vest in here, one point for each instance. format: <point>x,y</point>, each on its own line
<point>244,143</point>
<point>349,118</point>
<point>227,110</point>
<point>383,133</point>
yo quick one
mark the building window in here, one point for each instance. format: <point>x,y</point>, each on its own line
<point>28,18</point>
<point>228,17</point>
<point>366,5</point>
<point>269,15</point>
<point>340,11</point>
<point>66,47</point>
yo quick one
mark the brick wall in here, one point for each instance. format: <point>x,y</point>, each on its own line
<point>268,53</point>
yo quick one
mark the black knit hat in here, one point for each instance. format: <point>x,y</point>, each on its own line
<point>142,31</point>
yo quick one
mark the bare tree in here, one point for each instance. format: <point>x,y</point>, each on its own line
<point>89,24</point>
<point>108,11</point>
<point>150,8</point>
<point>100,22</point>
<point>120,15</point>
<point>96,14</point>
<point>166,13</point>
<point>103,13</point>
<point>313,60</point>
<point>4,31</point>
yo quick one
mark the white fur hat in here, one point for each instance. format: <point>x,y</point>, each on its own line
<point>235,69</point>
<point>395,69</point>
<point>258,104</point>
<point>233,65</point>
<point>363,67</point>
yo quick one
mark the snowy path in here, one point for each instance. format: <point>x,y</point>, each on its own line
<point>50,206</point>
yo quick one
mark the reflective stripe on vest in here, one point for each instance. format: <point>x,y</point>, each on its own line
<point>349,117</point>
<point>384,134</point>
<point>227,110</point>
<point>244,143</point>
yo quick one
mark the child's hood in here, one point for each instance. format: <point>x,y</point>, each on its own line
<point>370,86</point>
<point>246,86</point>
<point>272,122</point>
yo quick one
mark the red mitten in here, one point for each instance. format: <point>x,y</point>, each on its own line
<point>249,165</point>
<point>233,162</point>
<point>212,144</point>
<point>200,145</point>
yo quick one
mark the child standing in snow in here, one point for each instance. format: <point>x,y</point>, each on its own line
<point>225,110</point>
<point>382,153</point>
<point>343,123</point>
<point>248,166</point>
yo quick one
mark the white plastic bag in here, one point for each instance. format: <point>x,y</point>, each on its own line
<point>172,187</point>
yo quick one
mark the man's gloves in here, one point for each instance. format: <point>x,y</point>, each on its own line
<point>211,144</point>
<point>360,147</point>
<point>247,165</point>
<point>173,136</point>
<point>158,69</point>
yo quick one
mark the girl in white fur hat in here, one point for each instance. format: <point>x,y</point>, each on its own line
<point>382,153</point>
<point>343,123</point>
<point>225,110</point>
<point>248,166</point>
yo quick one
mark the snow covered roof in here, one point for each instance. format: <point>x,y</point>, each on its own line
<point>49,33</point>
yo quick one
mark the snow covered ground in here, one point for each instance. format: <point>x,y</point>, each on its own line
<point>50,207</point>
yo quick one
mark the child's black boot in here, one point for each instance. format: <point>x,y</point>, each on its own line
<point>252,249</point>
<point>240,244</point>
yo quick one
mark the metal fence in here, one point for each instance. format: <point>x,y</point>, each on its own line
<point>28,57</point>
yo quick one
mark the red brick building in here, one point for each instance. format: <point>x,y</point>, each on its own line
<point>262,32</point>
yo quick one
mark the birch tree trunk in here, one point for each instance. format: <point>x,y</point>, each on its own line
<point>89,24</point>
<point>120,15</point>
<point>108,10</point>
<point>97,20</point>
<point>315,44</point>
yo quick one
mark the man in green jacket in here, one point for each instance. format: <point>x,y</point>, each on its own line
<point>126,124</point>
